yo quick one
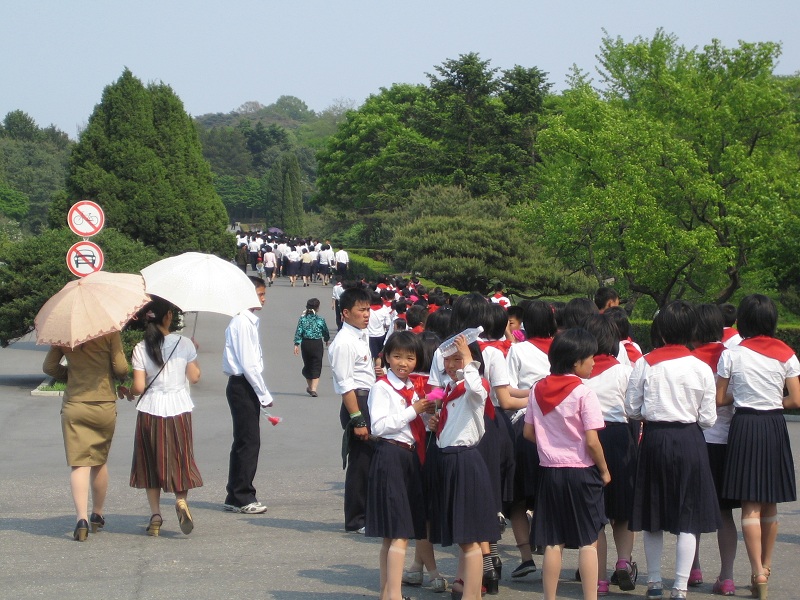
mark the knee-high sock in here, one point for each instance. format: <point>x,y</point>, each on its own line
<point>684,556</point>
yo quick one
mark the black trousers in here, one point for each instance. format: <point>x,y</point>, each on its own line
<point>246,416</point>
<point>357,474</point>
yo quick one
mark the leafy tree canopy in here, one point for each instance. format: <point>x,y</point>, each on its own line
<point>676,177</point>
<point>140,159</point>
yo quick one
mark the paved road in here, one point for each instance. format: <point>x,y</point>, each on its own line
<point>297,551</point>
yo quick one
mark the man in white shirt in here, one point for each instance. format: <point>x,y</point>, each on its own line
<point>353,376</point>
<point>342,261</point>
<point>247,394</point>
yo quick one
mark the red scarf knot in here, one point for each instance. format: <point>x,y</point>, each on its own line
<point>551,391</point>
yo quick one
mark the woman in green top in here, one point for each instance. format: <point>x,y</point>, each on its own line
<point>311,331</point>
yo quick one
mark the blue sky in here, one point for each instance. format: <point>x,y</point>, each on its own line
<point>58,55</point>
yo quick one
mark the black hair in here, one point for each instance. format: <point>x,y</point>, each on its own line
<point>416,315</point>
<point>728,314</point>
<point>438,322</point>
<point>495,321</point>
<point>620,318</point>
<point>516,312</point>
<point>756,315</point>
<point>570,346</point>
<point>312,305</point>
<point>605,332</point>
<point>430,342</point>
<point>154,313</point>
<point>352,296</point>
<point>405,341</point>
<point>677,322</point>
<point>538,320</point>
<point>709,323</point>
<point>558,312</point>
<point>576,310</point>
<point>400,306</point>
<point>468,311</point>
<point>257,281</point>
<point>400,324</point>
<point>656,340</point>
<point>603,295</point>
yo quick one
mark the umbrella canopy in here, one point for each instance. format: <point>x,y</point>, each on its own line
<point>89,308</point>
<point>275,230</point>
<point>201,282</point>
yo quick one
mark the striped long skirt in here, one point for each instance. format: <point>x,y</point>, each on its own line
<point>163,453</point>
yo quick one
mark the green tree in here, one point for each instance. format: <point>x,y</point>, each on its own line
<point>34,269</point>
<point>675,179</point>
<point>13,204</point>
<point>284,195</point>
<point>465,242</point>
<point>19,125</point>
<point>140,159</point>
<point>225,148</point>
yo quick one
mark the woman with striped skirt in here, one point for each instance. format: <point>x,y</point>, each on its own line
<point>163,454</point>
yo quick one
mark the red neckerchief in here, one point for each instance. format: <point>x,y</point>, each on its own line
<point>401,316</point>
<point>668,352</point>
<point>769,347</point>
<point>710,353</point>
<point>387,303</point>
<point>432,308</point>
<point>417,426</point>
<point>728,333</point>
<point>375,306</point>
<point>602,363</point>
<point>381,286</point>
<point>418,329</point>
<point>456,392</point>
<point>420,381</point>
<point>502,345</point>
<point>551,391</point>
<point>631,350</point>
<point>498,295</point>
<point>542,344</point>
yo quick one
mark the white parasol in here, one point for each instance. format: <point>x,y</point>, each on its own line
<point>88,308</point>
<point>196,282</point>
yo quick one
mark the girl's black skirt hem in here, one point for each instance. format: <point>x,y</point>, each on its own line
<point>463,505</point>
<point>759,466</point>
<point>395,501</point>
<point>569,507</point>
<point>311,351</point>
<point>619,449</point>
<point>674,489</point>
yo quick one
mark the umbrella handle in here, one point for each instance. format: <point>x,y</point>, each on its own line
<point>194,329</point>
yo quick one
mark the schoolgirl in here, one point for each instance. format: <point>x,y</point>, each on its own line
<point>672,391</point>
<point>609,381</point>
<point>528,363</point>
<point>759,470</point>
<point>395,502</point>
<point>708,347</point>
<point>463,511</point>
<point>563,417</point>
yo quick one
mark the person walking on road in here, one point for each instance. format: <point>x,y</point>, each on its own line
<point>243,363</point>
<point>88,419</point>
<point>311,331</point>
<point>163,450</point>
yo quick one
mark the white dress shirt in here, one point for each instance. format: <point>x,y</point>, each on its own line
<point>242,354</point>
<point>495,369</point>
<point>610,387</point>
<point>379,321</point>
<point>681,390</point>
<point>389,416</point>
<point>351,360</point>
<point>526,365</point>
<point>756,381</point>
<point>464,425</point>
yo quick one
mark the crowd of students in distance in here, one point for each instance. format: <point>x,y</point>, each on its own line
<point>555,422</point>
<point>274,256</point>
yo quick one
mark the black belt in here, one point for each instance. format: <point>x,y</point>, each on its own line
<point>403,445</point>
<point>237,377</point>
<point>361,393</point>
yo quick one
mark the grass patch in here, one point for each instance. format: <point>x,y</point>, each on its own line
<point>54,386</point>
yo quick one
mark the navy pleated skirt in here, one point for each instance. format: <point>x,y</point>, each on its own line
<point>463,505</point>
<point>569,507</point>
<point>674,490</point>
<point>619,449</point>
<point>526,474</point>
<point>717,457</point>
<point>508,463</point>
<point>489,447</point>
<point>395,502</point>
<point>759,466</point>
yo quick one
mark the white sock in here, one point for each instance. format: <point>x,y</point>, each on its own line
<point>684,556</point>
<point>653,548</point>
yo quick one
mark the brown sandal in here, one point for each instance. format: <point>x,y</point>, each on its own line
<point>154,528</point>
